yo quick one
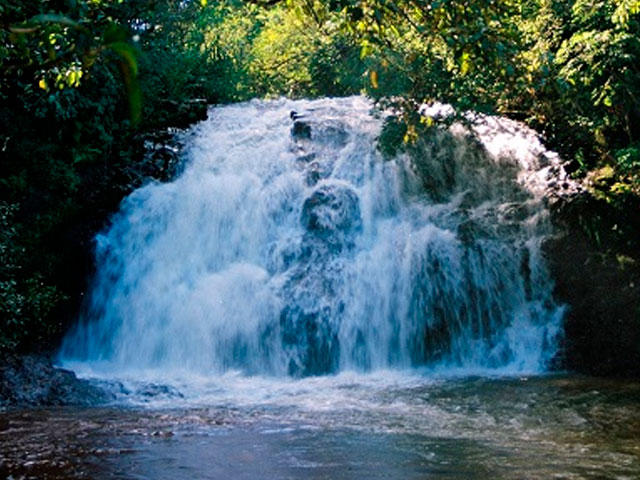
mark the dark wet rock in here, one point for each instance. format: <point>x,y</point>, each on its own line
<point>32,380</point>
<point>160,158</point>
<point>313,337</point>
<point>331,208</point>
<point>327,137</point>
<point>293,115</point>
<point>316,172</point>
<point>153,390</point>
<point>597,274</point>
<point>332,135</point>
<point>571,167</point>
<point>306,158</point>
<point>301,130</point>
<point>185,113</point>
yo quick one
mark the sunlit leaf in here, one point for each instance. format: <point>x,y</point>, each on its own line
<point>373,77</point>
<point>465,63</point>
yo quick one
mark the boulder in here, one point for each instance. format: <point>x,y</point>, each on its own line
<point>185,113</point>
<point>301,130</point>
<point>32,380</point>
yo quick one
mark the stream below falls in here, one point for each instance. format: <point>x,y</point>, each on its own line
<point>385,425</point>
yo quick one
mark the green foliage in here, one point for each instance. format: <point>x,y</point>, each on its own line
<point>58,49</point>
<point>305,54</point>
<point>393,136</point>
<point>628,159</point>
<point>25,301</point>
<point>195,52</point>
<point>69,94</point>
<point>232,51</point>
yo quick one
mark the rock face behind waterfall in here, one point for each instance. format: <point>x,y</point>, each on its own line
<point>304,252</point>
<point>600,281</point>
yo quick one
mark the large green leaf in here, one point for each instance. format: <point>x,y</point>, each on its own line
<point>128,65</point>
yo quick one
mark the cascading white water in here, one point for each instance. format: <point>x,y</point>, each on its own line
<point>287,255</point>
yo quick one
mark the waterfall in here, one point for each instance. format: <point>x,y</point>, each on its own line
<point>309,253</point>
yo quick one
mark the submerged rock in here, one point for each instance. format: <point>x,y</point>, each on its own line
<point>311,341</point>
<point>153,390</point>
<point>32,380</point>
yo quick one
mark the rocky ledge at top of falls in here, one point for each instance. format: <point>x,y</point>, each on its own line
<point>32,380</point>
